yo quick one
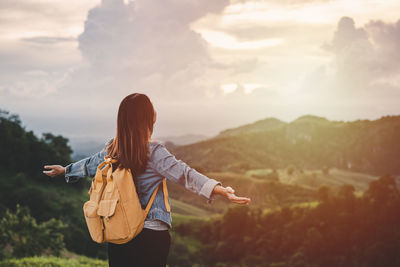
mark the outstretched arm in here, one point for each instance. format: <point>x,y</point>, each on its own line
<point>77,170</point>
<point>179,172</point>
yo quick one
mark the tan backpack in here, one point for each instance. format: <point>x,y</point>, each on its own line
<point>113,213</point>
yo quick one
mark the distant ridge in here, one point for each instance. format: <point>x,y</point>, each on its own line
<point>258,126</point>
<point>183,139</point>
<point>370,146</point>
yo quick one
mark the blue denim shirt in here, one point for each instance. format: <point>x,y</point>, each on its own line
<point>161,164</point>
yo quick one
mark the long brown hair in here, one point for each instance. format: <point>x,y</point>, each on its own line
<point>134,128</point>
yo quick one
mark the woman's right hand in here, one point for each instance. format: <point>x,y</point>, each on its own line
<point>229,193</point>
<point>54,170</point>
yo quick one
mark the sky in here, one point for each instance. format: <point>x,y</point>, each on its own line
<point>207,65</point>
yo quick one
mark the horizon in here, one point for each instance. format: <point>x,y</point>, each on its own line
<point>86,139</point>
<point>76,142</point>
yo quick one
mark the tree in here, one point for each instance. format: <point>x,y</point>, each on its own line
<point>324,193</point>
<point>22,236</point>
<point>382,190</point>
<point>59,145</point>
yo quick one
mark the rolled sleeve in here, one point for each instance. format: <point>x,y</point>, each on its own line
<point>70,178</point>
<point>81,169</point>
<point>207,189</point>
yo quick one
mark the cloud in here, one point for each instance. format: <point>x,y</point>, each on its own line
<point>143,46</point>
<point>78,59</point>
<point>385,37</point>
<point>144,36</point>
<point>37,37</point>
<point>346,35</point>
<point>365,62</point>
<point>146,45</point>
<point>226,41</point>
<point>25,18</point>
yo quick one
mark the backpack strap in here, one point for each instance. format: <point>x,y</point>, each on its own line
<point>165,191</point>
<point>146,211</point>
<point>153,196</point>
<point>104,173</point>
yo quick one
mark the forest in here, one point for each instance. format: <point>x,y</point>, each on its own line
<point>289,224</point>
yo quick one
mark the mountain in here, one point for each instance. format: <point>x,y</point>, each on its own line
<point>258,126</point>
<point>309,142</point>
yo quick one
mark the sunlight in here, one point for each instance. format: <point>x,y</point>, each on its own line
<point>250,87</point>
<point>229,88</point>
<point>226,41</point>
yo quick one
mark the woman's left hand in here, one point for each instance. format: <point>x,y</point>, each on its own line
<point>54,170</point>
<point>229,193</point>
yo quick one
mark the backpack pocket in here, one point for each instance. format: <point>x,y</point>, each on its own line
<point>114,218</point>
<point>93,221</point>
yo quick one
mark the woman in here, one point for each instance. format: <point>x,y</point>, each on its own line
<point>149,162</point>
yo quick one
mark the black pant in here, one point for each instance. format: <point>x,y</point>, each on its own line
<point>148,249</point>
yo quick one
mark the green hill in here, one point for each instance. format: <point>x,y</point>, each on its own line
<point>309,142</point>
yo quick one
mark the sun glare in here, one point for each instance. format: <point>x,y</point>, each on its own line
<point>226,41</point>
<point>229,88</point>
<point>250,87</point>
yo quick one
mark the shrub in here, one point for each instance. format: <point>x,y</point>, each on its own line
<point>22,236</point>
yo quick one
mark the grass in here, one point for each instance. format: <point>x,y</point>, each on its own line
<point>310,204</point>
<point>258,172</point>
<point>51,261</point>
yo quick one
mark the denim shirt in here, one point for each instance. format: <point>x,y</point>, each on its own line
<point>161,164</point>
